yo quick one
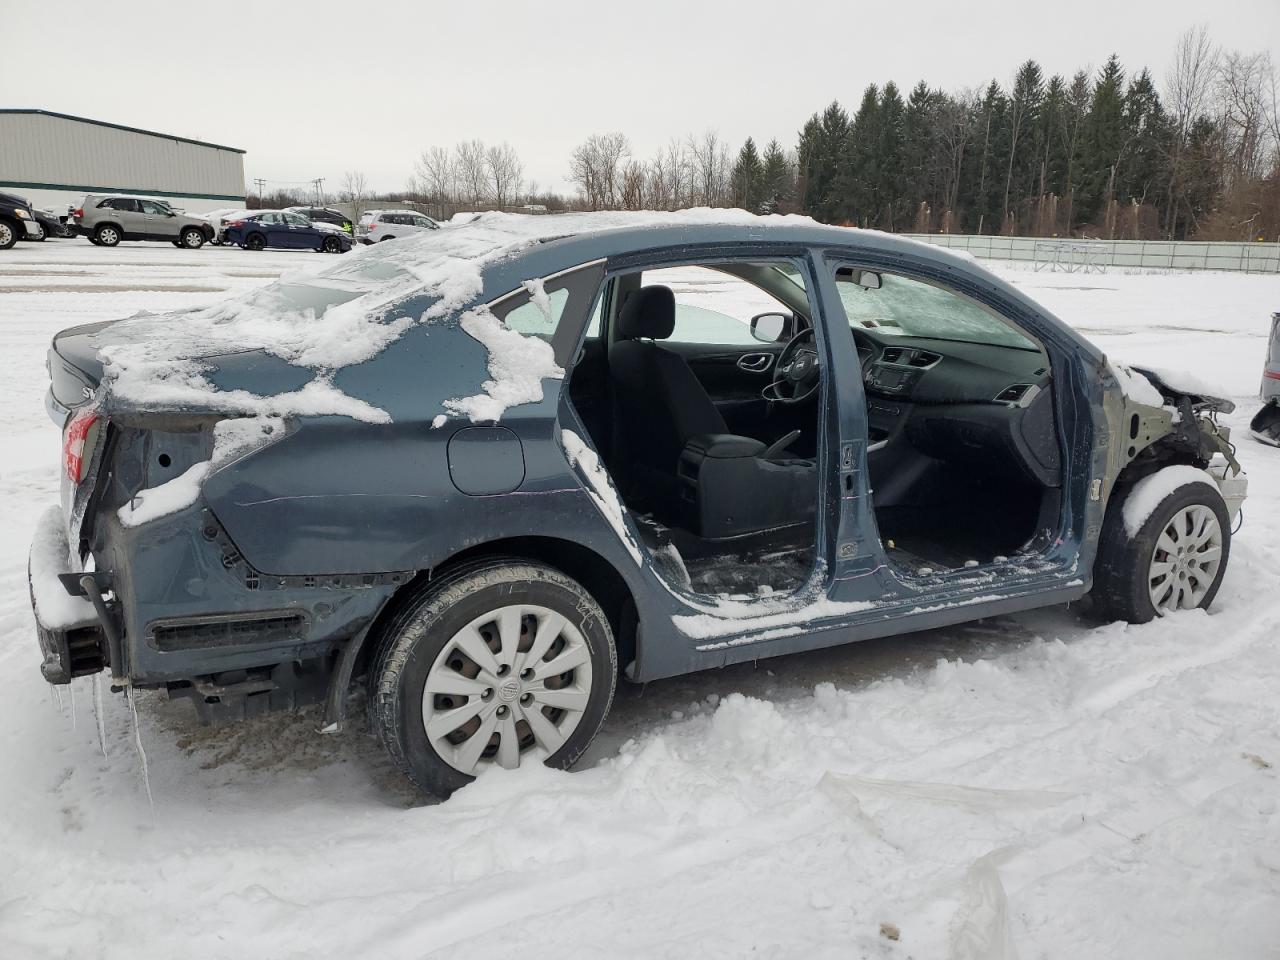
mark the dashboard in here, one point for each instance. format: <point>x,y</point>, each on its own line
<point>982,404</point>
<point>927,370</point>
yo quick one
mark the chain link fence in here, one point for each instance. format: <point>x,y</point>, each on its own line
<point>1094,256</point>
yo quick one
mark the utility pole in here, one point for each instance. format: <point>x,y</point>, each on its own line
<point>319,185</point>
<point>261,182</point>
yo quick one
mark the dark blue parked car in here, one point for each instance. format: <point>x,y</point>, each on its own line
<point>484,470</point>
<point>289,231</point>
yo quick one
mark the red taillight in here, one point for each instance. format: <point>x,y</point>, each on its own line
<point>372,226</point>
<point>73,438</point>
<point>77,212</point>
<point>234,223</point>
<point>1271,374</point>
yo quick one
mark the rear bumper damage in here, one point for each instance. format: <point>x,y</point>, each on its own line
<point>73,634</point>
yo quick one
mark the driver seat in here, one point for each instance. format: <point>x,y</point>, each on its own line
<point>674,445</point>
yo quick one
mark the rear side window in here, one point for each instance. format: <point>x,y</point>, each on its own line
<point>555,310</point>
<point>120,203</point>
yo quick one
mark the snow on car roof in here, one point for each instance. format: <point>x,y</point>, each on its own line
<point>342,315</point>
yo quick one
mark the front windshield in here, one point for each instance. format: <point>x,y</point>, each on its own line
<point>910,308</point>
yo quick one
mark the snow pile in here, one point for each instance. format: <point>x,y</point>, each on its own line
<point>50,555</point>
<point>517,366</point>
<point>1135,386</point>
<point>170,497</point>
<point>600,487</point>
<point>1150,491</point>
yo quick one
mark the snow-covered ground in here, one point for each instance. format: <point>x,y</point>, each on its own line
<point>1038,786</point>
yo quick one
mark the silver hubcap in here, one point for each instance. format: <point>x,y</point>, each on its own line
<point>193,240</point>
<point>1186,560</point>
<point>108,236</point>
<point>511,682</point>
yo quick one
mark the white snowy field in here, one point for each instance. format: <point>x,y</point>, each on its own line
<point>1038,786</point>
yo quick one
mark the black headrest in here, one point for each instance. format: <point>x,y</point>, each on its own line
<point>648,312</point>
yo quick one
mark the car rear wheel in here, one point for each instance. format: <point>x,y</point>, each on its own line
<point>331,245</point>
<point>499,664</point>
<point>255,241</point>
<point>107,235</point>
<point>8,234</point>
<point>1175,560</point>
<point>191,238</point>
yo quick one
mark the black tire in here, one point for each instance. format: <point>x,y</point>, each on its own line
<point>107,235</point>
<point>385,239</point>
<point>331,245</point>
<point>191,238</point>
<point>177,243</point>
<point>8,233</point>
<point>1122,571</point>
<point>39,237</point>
<point>255,241</point>
<point>410,641</point>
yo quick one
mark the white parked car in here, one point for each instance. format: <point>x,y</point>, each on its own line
<point>378,225</point>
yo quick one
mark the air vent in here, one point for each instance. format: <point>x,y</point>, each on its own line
<point>892,355</point>
<point>220,631</point>
<point>923,358</point>
<point>1014,393</point>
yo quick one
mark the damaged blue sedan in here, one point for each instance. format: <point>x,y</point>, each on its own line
<point>488,471</point>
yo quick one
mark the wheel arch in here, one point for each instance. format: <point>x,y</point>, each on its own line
<point>597,575</point>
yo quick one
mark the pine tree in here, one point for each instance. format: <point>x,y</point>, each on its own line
<point>858,185</point>
<point>1024,109</point>
<point>775,179</point>
<point>888,162</point>
<point>1105,145</point>
<point>746,178</point>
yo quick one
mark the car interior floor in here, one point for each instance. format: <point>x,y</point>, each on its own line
<point>773,561</point>
<point>951,516</point>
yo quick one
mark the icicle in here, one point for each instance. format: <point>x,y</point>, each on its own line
<point>56,695</point>
<point>97,713</point>
<point>137,742</point>
<point>72,687</point>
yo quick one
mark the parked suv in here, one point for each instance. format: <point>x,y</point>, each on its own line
<point>324,215</point>
<point>17,221</point>
<point>487,468</point>
<point>377,225</point>
<point>108,219</point>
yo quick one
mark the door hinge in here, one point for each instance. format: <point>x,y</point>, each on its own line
<point>1095,490</point>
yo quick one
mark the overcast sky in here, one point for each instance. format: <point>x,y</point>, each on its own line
<point>315,88</point>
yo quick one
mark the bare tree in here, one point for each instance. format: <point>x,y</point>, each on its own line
<point>1188,85</point>
<point>473,171</point>
<point>710,168</point>
<point>355,189</point>
<point>595,169</point>
<point>505,174</point>
<point>437,175</point>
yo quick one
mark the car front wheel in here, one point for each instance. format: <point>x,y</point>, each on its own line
<point>331,245</point>
<point>192,239</point>
<point>1164,556</point>
<point>499,664</point>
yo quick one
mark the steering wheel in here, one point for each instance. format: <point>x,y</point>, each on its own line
<point>797,369</point>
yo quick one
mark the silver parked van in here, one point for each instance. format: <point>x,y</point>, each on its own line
<point>106,219</point>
